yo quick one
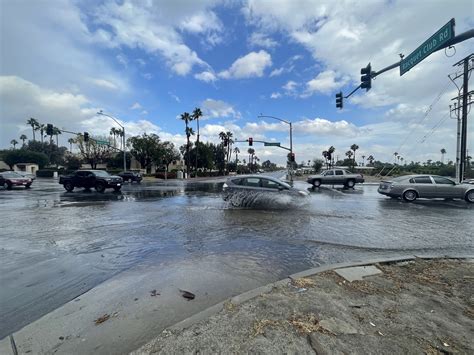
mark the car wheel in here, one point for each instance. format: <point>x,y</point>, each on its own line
<point>100,187</point>
<point>68,186</point>
<point>117,188</point>
<point>27,186</point>
<point>8,185</point>
<point>350,183</point>
<point>469,196</point>
<point>410,195</point>
<point>317,183</point>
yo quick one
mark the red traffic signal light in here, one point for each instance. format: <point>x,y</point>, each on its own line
<point>250,141</point>
<point>291,157</point>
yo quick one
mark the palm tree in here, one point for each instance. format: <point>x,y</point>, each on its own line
<point>13,142</point>
<point>349,154</point>
<point>443,152</point>
<point>113,132</point>
<point>34,124</point>
<point>23,138</point>
<point>363,158</point>
<point>251,152</point>
<point>187,118</point>
<point>354,147</point>
<point>119,133</point>
<point>331,151</point>
<point>41,127</point>
<point>325,155</point>
<point>197,113</point>
<point>395,155</point>
<point>370,159</point>
<point>57,132</point>
<point>71,141</point>
<point>236,151</point>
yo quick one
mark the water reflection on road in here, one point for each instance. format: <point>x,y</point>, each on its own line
<point>56,245</point>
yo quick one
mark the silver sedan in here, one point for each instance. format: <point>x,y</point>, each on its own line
<point>411,187</point>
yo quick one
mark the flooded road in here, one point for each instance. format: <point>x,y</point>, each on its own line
<point>55,245</point>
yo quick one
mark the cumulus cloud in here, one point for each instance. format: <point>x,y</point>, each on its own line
<point>248,66</point>
<point>258,39</point>
<point>275,95</point>
<point>218,109</point>
<point>206,76</point>
<point>325,83</point>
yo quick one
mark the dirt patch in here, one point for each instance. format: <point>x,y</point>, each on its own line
<point>416,307</point>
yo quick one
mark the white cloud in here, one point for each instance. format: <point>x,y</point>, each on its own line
<point>258,39</point>
<point>248,66</point>
<point>277,72</point>
<point>104,84</point>
<point>136,106</point>
<point>290,86</point>
<point>218,109</point>
<point>325,83</point>
<point>275,95</point>
<point>175,97</point>
<point>122,59</point>
<point>206,76</point>
<point>147,76</point>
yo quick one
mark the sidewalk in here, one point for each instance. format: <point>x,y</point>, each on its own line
<point>408,307</point>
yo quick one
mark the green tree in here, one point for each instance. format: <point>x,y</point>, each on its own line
<point>41,128</point>
<point>186,117</point>
<point>169,154</point>
<point>236,151</point>
<point>317,165</point>
<point>354,147</point>
<point>197,114</point>
<point>73,163</point>
<point>23,138</point>
<point>55,154</point>
<point>146,149</point>
<point>71,141</point>
<point>443,152</point>
<point>13,142</point>
<point>93,153</point>
<point>57,132</point>
<point>34,124</point>
<point>16,156</point>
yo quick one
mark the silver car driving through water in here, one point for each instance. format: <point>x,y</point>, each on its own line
<point>256,190</point>
<point>411,187</point>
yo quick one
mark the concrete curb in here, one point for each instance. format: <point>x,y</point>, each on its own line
<point>246,296</point>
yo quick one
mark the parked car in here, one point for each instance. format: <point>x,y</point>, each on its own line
<point>411,187</point>
<point>10,179</point>
<point>131,176</point>
<point>335,177</point>
<point>26,175</point>
<point>468,181</point>
<point>259,183</point>
<point>98,179</point>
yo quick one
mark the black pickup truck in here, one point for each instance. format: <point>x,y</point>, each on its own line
<point>98,179</point>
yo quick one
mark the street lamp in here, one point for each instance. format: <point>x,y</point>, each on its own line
<point>123,130</point>
<point>291,140</point>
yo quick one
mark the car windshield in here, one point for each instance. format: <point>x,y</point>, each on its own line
<point>11,174</point>
<point>101,173</point>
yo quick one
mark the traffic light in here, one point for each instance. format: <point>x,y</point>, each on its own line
<point>366,78</point>
<point>250,141</point>
<point>49,129</point>
<point>339,99</point>
<point>292,157</point>
<point>86,137</point>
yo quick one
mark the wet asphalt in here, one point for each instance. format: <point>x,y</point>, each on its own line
<point>56,245</point>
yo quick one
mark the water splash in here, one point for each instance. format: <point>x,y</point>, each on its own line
<point>263,200</point>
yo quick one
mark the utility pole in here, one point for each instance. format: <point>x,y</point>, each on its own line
<point>466,101</point>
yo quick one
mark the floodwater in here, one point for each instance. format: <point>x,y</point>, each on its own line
<point>55,245</point>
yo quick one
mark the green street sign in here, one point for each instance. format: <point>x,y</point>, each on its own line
<point>442,36</point>
<point>102,142</point>
<point>271,144</point>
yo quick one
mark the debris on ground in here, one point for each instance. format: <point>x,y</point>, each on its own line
<point>188,295</point>
<point>102,319</point>
<point>154,293</point>
<point>419,307</point>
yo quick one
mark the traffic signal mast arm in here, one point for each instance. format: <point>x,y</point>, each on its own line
<point>278,146</point>
<point>457,39</point>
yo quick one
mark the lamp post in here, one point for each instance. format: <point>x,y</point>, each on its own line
<point>123,130</point>
<point>291,140</point>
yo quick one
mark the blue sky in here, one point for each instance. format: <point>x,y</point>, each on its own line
<point>146,62</point>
